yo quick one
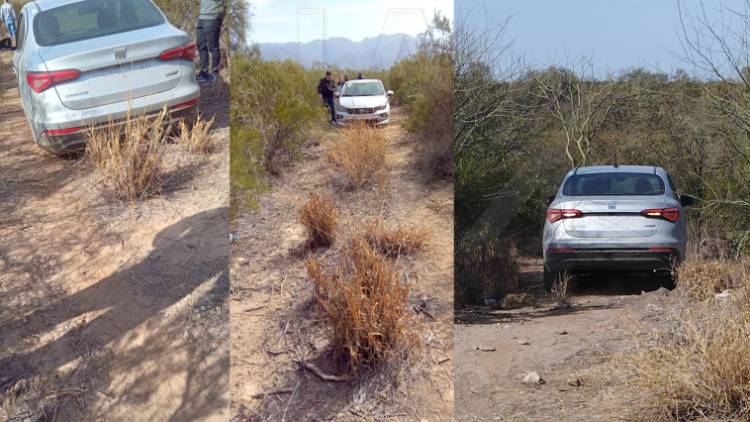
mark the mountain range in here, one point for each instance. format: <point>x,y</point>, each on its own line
<point>371,53</point>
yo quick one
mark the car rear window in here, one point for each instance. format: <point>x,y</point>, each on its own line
<point>93,18</point>
<point>363,89</point>
<point>596,184</point>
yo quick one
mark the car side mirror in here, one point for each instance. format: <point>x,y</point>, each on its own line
<point>550,199</point>
<point>687,200</point>
<point>337,94</point>
<point>390,93</point>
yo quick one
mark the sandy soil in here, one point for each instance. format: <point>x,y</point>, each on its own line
<point>563,345</point>
<point>273,319</point>
<point>108,310</point>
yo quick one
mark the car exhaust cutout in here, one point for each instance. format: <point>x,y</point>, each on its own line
<point>669,214</point>
<point>554,214</point>
<point>185,52</point>
<point>42,81</point>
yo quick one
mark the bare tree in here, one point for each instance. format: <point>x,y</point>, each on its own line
<point>579,105</point>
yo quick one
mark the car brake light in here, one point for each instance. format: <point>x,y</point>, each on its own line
<point>669,214</point>
<point>61,132</point>
<point>42,81</point>
<point>661,250</point>
<point>561,250</point>
<point>554,214</point>
<point>185,105</point>
<point>186,52</point>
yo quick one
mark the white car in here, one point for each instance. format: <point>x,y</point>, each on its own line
<point>363,100</point>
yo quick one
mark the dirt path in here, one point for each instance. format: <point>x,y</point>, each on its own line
<point>121,307</point>
<point>561,344</point>
<point>273,321</point>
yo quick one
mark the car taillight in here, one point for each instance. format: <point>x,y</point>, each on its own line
<point>61,132</point>
<point>186,52</point>
<point>42,81</point>
<point>558,214</point>
<point>669,214</point>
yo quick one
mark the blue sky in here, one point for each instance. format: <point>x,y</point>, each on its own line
<point>615,34</point>
<point>297,20</point>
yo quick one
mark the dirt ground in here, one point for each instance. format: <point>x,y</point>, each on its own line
<point>109,310</point>
<point>274,321</point>
<point>569,347</point>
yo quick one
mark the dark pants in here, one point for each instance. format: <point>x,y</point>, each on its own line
<point>329,102</point>
<point>207,34</point>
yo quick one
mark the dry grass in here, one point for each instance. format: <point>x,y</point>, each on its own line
<point>701,279</point>
<point>364,302</point>
<point>700,368</point>
<point>560,289</point>
<point>194,137</point>
<point>361,154</point>
<point>129,157</point>
<point>394,242</point>
<point>320,219</point>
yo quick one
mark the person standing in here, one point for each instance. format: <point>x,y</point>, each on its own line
<point>8,17</point>
<point>326,88</point>
<point>208,33</point>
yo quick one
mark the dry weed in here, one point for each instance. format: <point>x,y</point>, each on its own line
<point>194,137</point>
<point>129,157</point>
<point>560,289</point>
<point>361,154</point>
<point>319,217</point>
<point>701,279</point>
<point>394,242</point>
<point>699,369</point>
<point>364,302</point>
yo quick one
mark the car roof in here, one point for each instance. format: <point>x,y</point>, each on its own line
<point>617,169</point>
<point>359,81</point>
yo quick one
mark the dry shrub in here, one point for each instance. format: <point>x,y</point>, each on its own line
<point>699,369</point>
<point>701,279</point>
<point>194,137</point>
<point>364,302</point>
<point>360,153</point>
<point>485,269</point>
<point>560,289</point>
<point>320,218</point>
<point>394,242</point>
<point>129,157</point>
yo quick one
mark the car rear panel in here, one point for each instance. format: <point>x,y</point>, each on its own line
<point>116,68</point>
<point>612,217</point>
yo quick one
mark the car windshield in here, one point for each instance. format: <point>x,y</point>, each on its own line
<point>363,89</point>
<point>601,184</point>
<point>93,18</point>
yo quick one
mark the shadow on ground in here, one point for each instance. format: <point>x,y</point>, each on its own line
<point>186,255</point>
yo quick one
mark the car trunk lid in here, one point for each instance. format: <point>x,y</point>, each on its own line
<point>612,217</point>
<point>117,67</point>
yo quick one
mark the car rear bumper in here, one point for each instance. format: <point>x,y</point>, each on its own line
<point>590,260</point>
<point>73,142</point>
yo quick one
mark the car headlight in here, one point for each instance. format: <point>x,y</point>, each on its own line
<point>381,108</point>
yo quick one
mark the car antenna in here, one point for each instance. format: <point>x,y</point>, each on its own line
<point>617,161</point>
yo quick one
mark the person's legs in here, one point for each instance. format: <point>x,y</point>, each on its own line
<point>11,25</point>
<point>202,46</point>
<point>329,100</point>
<point>213,36</point>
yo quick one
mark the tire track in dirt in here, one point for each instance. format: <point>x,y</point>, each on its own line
<point>271,311</point>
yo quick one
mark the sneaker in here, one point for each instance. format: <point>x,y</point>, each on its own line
<point>202,77</point>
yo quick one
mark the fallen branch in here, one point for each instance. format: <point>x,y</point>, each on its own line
<point>322,375</point>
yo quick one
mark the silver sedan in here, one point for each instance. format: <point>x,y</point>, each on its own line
<point>84,63</point>
<point>614,218</point>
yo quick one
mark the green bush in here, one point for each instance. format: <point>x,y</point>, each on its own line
<point>271,105</point>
